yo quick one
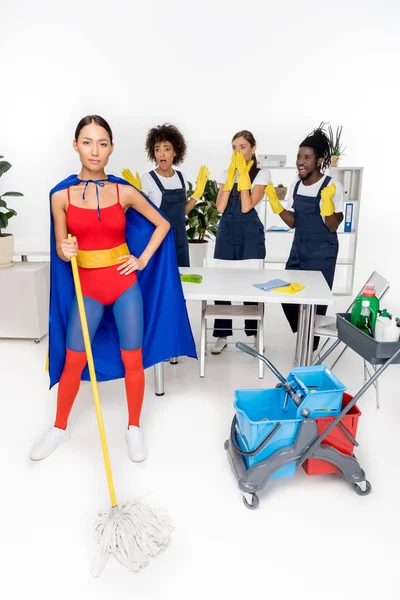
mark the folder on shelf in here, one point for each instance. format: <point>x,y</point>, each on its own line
<point>348,217</point>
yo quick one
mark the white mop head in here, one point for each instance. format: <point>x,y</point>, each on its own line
<point>132,533</point>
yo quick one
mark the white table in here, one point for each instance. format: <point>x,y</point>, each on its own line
<point>236,285</point>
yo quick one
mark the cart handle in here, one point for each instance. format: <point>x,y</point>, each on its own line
<point>348,434</point>
<point>259,448</point>
<point>285,384</point>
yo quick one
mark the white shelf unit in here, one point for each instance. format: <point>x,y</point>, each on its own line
<point>24,300</point>
<point>278,243</point>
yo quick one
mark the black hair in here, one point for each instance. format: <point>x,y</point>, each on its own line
<point>249,137</point>
<point>166,133</point>
<point>93,119</point>
<point>319,141</point>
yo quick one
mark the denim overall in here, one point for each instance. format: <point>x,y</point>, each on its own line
<point>240,236</point>
<point>173,206</point>
<point>314,247</point>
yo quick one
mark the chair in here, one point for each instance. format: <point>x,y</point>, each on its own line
<point>325,326</point>
<point>211,311</point>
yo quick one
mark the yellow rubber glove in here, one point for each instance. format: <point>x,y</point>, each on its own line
<point>293,288</point>
<point>202,177</point>
<point>272,196</point>
<point>130,178</point>
<point>244,182</point>
<point>327,205</point>
<point>230,180</point>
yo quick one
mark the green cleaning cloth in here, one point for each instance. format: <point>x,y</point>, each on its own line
<point>191,278</point>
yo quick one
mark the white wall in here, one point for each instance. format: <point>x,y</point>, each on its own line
<point>276,68</point>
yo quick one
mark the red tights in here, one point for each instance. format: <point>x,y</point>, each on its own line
<point>71,378</point>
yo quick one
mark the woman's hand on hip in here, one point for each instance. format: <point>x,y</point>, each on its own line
<point>131,264</point>
<point>69,248</point>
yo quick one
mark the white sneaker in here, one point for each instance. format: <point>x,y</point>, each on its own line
<point>137,451</point>
<point>53,438</point>
<point>219,345</point>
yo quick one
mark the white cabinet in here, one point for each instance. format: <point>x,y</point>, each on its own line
<point>24,300</point>
<point>278,243</point>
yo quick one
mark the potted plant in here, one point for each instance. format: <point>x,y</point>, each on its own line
<point>336,145</point>
<point>281,191</point>
<point>6,213</point>
<point>202,222</point>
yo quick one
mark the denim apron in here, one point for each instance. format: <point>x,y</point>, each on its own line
<point>314,247</point>
<point>173,206</point>
<point>240,236</point>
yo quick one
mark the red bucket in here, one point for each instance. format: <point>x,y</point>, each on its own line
<point>336,438</point>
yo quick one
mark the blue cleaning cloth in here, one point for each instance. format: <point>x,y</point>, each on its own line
<point>271,284</point>
<point>275,228</point>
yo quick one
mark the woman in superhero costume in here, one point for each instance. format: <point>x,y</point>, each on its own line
<point>129,279</point>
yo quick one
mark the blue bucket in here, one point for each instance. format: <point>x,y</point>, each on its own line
<point>257,413</point>
<point>320,390</point>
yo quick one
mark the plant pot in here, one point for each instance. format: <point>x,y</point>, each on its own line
<point>6,250</point>
<point>198,252</point>
<point>281,192</point>
<point>335,161</point>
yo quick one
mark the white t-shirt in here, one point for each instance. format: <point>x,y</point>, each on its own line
<point>312,191</point>
<point>151,189</point>
<point>263,177</point>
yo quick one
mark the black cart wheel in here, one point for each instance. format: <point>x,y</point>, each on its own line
<point>362,492</point>
<point>254,502</point>
<point>226,444</point>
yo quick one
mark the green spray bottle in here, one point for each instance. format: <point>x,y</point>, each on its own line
<point>370,295</point>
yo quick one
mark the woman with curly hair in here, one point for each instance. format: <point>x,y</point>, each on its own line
<point>166,187</point>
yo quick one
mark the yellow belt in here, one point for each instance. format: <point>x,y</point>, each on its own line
<point>96,259</point>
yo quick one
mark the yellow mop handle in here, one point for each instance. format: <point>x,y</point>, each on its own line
<point>93,379</point>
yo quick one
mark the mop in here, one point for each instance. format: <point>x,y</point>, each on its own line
<point>133,532</point>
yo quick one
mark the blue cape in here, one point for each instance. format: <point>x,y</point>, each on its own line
<point>167,329</point>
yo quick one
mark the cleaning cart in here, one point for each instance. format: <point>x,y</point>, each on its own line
<point>307,420</point>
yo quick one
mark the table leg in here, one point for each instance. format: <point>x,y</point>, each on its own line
<point>159,379</point>
<point>203,338</point>
<point>304,337</point>
<point>260,341</point>
<point>300,334</point>
<point>310,340</point>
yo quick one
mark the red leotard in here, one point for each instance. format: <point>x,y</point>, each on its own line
<point>105,284</point>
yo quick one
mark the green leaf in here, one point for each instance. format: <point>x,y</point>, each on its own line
<point>204,217</point>
<point>335,140</point>
<point>200,205</point>
<point>4,167</point>
<point>11,194</point>
<point>3,221</point>
<point>10,213</point>
<point>3,203</point>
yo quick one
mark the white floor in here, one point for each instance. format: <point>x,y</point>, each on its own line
<point>312,537</point>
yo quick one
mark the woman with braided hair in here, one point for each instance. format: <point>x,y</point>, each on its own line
<point>315,211</point>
